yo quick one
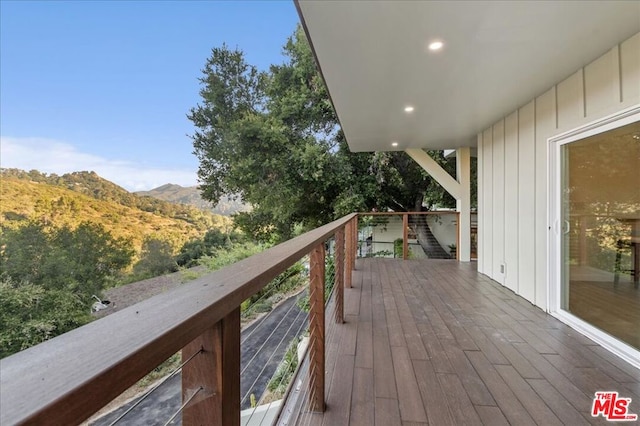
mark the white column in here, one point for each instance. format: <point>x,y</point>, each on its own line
<point>463,203</point>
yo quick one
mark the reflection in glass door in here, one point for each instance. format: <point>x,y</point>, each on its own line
<point>600,231</point>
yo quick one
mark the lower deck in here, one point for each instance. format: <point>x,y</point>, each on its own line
<point>435,342</point>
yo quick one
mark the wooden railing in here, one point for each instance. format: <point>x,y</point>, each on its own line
<point>67,379</point>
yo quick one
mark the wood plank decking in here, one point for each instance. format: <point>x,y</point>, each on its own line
<point>434,342</point>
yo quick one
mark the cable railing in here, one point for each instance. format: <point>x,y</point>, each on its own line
<point>409,235</point>
<point>304,397</point>
<point>69,378</point>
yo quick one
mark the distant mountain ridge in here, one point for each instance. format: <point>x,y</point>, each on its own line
<point>190,195</point>
<point>84,196</point>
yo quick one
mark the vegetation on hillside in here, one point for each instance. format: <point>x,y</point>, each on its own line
<point>50,276</point>
<point>64,239</point>
<point>78,197</point>
<point>190,196</point>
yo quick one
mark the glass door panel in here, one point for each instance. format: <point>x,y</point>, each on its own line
<point>600,242</point>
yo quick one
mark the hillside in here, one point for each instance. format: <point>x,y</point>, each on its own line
<point>190,195</point>
<point>84,196</point>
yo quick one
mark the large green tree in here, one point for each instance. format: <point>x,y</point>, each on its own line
<point>48,277</point>
<point>82,260</point>
<point>156,259</point>
<point>273,139</point>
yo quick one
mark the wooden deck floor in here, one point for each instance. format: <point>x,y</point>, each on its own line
<point>434,342</point>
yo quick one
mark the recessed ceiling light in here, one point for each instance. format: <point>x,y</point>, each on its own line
<point>408,108</point>
<point>436,45</point>
<point>394,143</point>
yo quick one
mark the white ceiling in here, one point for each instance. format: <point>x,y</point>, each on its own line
<point>497,56</point>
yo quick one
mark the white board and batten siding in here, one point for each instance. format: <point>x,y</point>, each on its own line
<point>513,177</point>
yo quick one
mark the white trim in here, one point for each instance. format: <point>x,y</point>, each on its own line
<point>624,351</point>
<point>554,214</point>
<point>619,119</point>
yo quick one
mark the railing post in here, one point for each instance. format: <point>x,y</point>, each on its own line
<point>339,284</point>
<point>316,328</point>
<point>405,236</point>
<point>348,253</point>
<point>354,252</point>
<point>213,375</point>
<point>458,237</point>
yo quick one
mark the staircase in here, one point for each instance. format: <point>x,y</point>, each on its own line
<point>428,241</point>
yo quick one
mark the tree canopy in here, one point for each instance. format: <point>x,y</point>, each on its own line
<point>273,139</point>
<point>49,277</point>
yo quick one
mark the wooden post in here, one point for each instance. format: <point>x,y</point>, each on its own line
<point>217,371</point>
<point>316,329</point>
<point>354,252</point>
<point>458,237</point>
<point>347,257</point>
<point>405,236</point>
<point>339,276</point>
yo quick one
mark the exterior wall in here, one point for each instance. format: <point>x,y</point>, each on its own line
<point>513,173</point>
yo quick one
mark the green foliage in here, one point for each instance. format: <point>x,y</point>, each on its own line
<point>223,257</point>
<point>274,139</point>
<point>156,259</point>
<point>49,276</point>
<point>31,314</point>
<point>398,247</point>
<point>281,378</point>
<point>71,199</point>
<point>195,249</point>
<point>82,260</point>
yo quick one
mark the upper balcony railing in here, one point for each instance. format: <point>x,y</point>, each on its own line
<point>69,378</point>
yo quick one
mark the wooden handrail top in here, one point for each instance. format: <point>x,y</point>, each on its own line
<point>431,212</point>
<point>72,376</point>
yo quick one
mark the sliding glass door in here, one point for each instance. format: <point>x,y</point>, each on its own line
<point>598,231</point>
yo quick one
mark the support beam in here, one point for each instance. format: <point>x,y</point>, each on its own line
<point>436,171</point>
<point>459,189</point>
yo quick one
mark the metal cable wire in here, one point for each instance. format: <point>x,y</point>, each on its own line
<point>297,335</point>
<point>298,410</point>
<point>302,390</point>
<point>270,357</point>
<point>264,296</point>
<point>265,341</point>
<point>259,324</point>
<point>304,415</point>
<point>160,383</point>
<point>184,404</point>
<point>262,319</point>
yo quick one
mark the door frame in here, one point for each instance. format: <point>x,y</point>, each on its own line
<point>554,216</point>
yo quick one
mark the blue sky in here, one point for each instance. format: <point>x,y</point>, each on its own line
<point>106,85</point>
